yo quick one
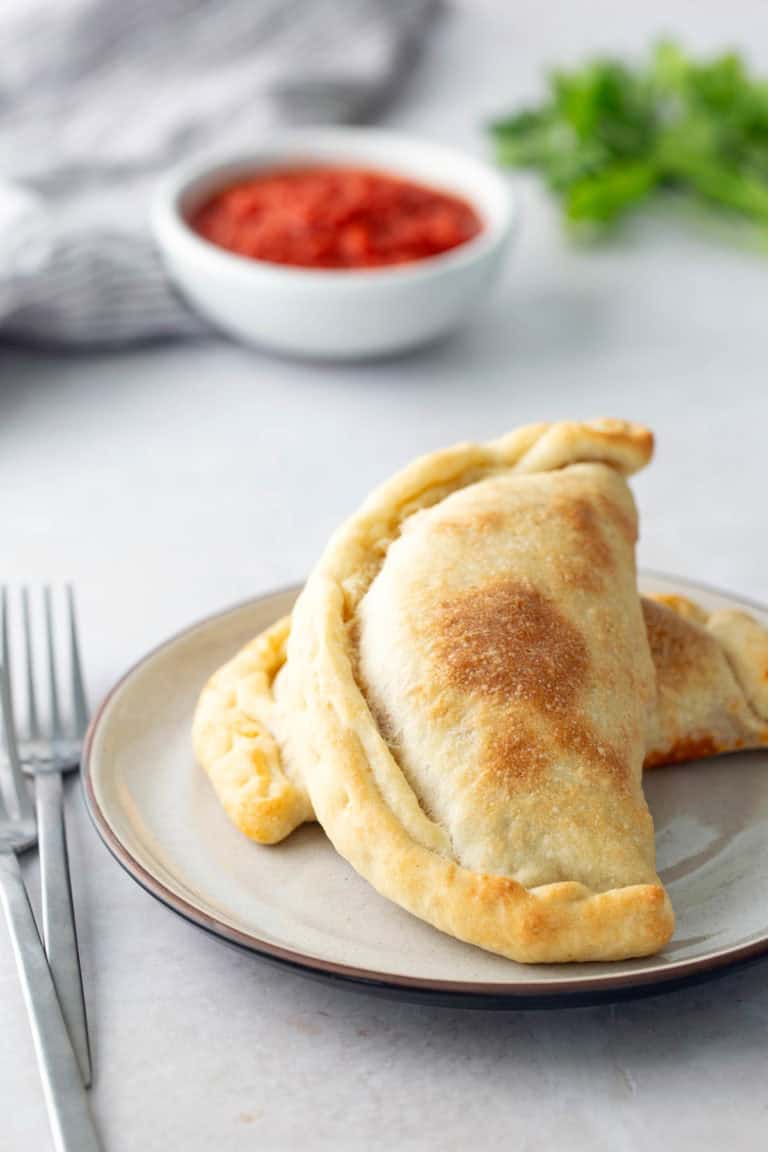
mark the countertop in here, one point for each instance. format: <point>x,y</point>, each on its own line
<point>170,481</point>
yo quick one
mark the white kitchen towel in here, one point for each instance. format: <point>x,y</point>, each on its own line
<point>99,97</point>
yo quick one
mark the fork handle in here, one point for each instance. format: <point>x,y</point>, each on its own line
<point>70,1120</point>
<point>59,931</point>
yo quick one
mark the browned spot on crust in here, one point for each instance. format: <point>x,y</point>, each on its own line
<point>689,748</point>
<point>624,523</point>
<point>586,554</point>
<point>581,516</point>
<point>577,736</point>
<point>677,644</point>
<point>682,606</point>
<point>507,640</point>
<point>514,754</point>
<point>481,521</point>
<point>534,924</point>
<point>633,436</point>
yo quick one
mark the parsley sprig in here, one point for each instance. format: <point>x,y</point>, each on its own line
<point>610,135</point>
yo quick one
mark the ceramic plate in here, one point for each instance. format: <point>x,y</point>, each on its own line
<point>301,905</point>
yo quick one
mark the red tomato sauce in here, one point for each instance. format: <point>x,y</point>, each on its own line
<point>335,218</point>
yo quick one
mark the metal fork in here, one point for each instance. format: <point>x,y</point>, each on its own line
<point>47,756</point>
<point>71,1123</point>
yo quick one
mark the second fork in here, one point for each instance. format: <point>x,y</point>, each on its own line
<point>47,752</point>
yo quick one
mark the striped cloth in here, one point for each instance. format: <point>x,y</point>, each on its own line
<point>98,97</point>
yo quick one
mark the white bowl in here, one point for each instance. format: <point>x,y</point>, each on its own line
<point>336,314</point>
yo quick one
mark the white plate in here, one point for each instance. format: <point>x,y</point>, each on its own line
<point>300,904</point>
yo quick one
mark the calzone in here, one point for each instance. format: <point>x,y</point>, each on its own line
<point>711,698</point>
<point>469,694</point>
<point>711,681</point>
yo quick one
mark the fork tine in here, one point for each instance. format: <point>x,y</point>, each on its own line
<point>15,778</point>
<point>4,655</point>
<point>33,722</point>
<point>53,691</point>
<point>80,704</point>
<point>3,809</point>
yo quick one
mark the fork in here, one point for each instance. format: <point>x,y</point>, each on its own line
<point>47,756</point>
<point>71,1123</point>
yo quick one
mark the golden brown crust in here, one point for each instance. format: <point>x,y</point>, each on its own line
<point>706,669</point>
<point>681,606</point>
<point>558,922</point>
<point>686,748</point>
<point>373,811</point>
<point>506,639</point>
<point>699,713</point>
<point>670,636</point>
<point>745,644</point>
<point>235,741</point>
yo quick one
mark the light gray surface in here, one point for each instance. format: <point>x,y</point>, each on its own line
<point>193,476</point>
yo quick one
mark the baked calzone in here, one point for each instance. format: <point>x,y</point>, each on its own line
<point>469,695</point>
<point>711,698</point>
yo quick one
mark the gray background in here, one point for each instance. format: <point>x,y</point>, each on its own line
<point>171,481</point>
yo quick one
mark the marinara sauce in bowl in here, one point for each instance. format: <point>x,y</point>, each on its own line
<point>327,217</point>
<point>341,243</point>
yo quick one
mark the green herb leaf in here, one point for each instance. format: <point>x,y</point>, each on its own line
<point>604,196</point>
<point>610,134</point>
